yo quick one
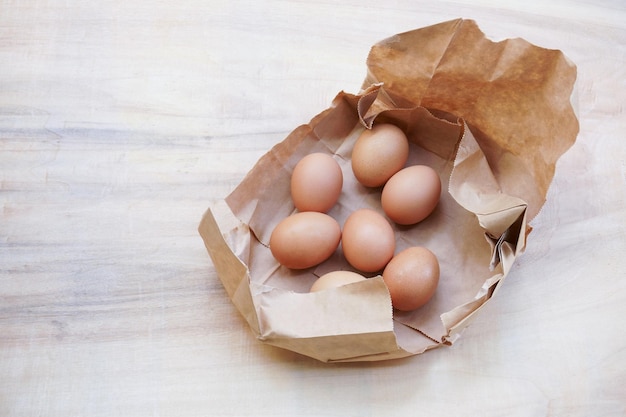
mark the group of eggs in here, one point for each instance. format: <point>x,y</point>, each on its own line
<point>409,195</point>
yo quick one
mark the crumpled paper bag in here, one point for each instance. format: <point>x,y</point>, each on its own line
<point>491,118</point>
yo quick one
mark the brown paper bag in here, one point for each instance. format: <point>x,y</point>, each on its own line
<point>491,118</point>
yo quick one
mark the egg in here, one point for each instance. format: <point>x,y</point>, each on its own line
<point>412,277</point>
<point>379,153</point>
<point>316,183</point>
<point>336,279</point>
<point>305,239</point>
<point>411,194</point>
<point>368,241</point>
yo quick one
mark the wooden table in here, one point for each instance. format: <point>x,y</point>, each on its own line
<point>122,121</point>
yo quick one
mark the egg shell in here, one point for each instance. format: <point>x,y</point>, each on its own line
<point>336,279</point>
<point>368,241</point>
<point>305,239</point>
<point>411,194</point>
<point>412,277</point>
<point>379,153</point>
<point>316,183</point>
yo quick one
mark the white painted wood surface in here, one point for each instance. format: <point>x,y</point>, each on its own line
<point>122,121</point>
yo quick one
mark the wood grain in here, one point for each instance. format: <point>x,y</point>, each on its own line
<point>121,122</point>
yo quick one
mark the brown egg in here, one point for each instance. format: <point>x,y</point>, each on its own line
<point>336,279</point>
<point>412,277</point>
<point>368,241</point>
<point>379,153</point>
<point>305,239</point>
<point>316,183</point>
<point>411,194</point>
